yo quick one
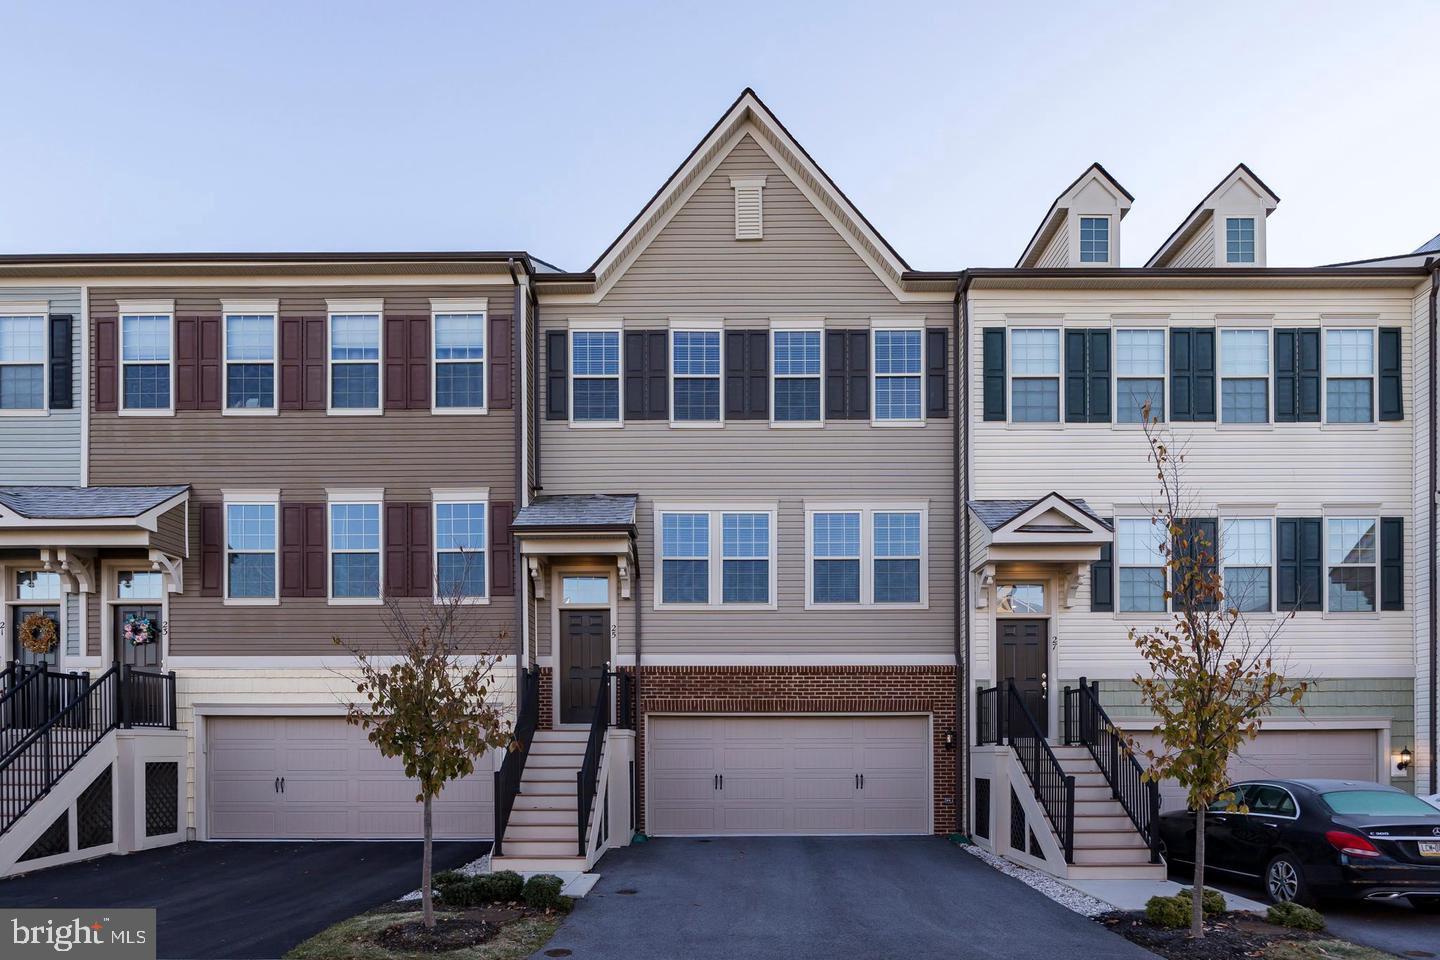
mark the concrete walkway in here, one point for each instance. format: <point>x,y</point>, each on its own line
<point>819,898</point>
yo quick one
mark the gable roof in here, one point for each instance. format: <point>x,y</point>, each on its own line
<point>1197,217</point>
<point>85,503</point>
<point>1055,215</point>
<point>996,514</point>
<point>583,511</point>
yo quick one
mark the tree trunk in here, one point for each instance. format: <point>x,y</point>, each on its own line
<point>427,904</point>
<point>1197,910</point>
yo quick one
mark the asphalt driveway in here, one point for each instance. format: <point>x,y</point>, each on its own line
<point>247,901</point>
<point>819,898</point>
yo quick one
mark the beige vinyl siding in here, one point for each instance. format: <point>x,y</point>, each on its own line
<point>1299,467</point>
<point>802,267</point>
<point>1419,556</point>
<point>45,449</point>
<point>1199,250</point>
<point>1057,251</point>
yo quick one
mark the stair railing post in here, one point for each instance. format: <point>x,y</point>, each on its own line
<point>1070,818</point>
<point>1114,765</point>
<point>171,704</point>
<point>124,696</point>
<point>580,807</point>
<point>1154,822</point>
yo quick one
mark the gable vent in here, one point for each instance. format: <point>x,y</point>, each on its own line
<point>748,207</point>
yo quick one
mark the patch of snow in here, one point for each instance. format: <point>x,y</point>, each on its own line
<point>1067,896</point>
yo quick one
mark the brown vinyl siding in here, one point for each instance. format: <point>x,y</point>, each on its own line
<point>170,532</point>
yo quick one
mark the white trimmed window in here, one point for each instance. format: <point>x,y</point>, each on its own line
<point>796,367</point>
<point>252,556</point>
<point>1244,376</point>
<point>1352,564</point>
<point>355,356</point>
<point>1140,565</point>
<point>251,345</point>
<point>1350,376</point>
<point>716,557</point>
<point>872,555</point>
<point>594,376</point>
<point>1239,239</point>
<point>1246,560</point>
<point>23,356</point>
<point>147,351</point>
<point>460,555</point>
<point>1139,375</point>
<point>459,358</point>
<point>695,376</point>
<point>1094,239</point>
<point>355,538</point>
<point>898,363</point>
<point>1034,376</point>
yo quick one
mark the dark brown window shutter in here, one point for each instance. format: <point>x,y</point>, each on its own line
<point>502,551</point>
<point>211,365</point>
<point>857,373</point>
<point>501,363</point>
<point>317,391</point>
<point>421,584</point>
<point>417,364</point>
<point>107,363</point>
<point>292,549</point>
<point>317,583</point>
<point>397,362</point>
<point>187,363</point>
<point>212,549</point>
<point>397,549</point>
<point>292,363</point>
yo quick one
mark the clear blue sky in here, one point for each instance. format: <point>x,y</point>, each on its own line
<point>131,126</point>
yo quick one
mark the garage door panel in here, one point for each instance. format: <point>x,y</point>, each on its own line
<point>672,789</point>
<point>835,819</point>
<point>675,758</point>
<point>755,819</point>
<point>825,757</point>
<point>743,788</point>
<point>821,788</point>
<point>753,758</point>
<point>230,758</point>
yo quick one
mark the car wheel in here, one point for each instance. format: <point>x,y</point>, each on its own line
<point>1284,882</point>
<point>1426,904</point>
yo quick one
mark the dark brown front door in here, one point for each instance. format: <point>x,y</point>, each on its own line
<point>1023,659</point>
<point>146,656</point>
<point>39,699</point>
<point>584,656</point>
<point>19,653</point>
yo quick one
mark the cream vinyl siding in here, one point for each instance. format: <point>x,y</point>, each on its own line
<point>802,268</point>
<point>1199,250</point>
<point>1298,467</point>
<point>45,448</point>
<point>1418,556</point>
<point>1057,251</point>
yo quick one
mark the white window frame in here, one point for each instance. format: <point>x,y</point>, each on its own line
<point>270,498</point>
<point>1221,376</point>
<point>261,308</point>
<point>915,325</point>
<point>338,308</point>
<point>1080,219</point>
<point>797,325</point>
<point>375,497</point>
<point>1116,376</point>
<point>1269,519</point>
<point>478,307</point>
<point>1058,376</point>
<point>691,325</point>
<point>1325,377</point>
<point>1368,513</point>
<point>40,309</point>
<point>1254,241</point>
<point>480,495</point>
<point>867,509</point>
<point>715,569</point>
<point>1162,566</point>
<point>144,308</point>
<point>616,327</point>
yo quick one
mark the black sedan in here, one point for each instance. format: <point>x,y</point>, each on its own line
<point>1311,840</point>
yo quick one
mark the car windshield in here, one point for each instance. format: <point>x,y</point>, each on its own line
<point>1378,803</point>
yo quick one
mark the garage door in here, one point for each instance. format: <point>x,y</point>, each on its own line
<point>712,776</point>
<point>335,785</point>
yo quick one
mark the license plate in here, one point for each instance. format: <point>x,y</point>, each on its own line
<point>1430,848</point>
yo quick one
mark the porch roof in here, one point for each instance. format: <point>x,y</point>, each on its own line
<point>997,513</point>
<point>578,513</point>
<point>83,503</point>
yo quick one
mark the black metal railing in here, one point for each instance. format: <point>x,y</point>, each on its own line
<point>624,700</point>
<point>989,720</point>
<point>147,698</point>
<point>587,778</point>
<point>1054,789</point>
<point>1088,725</point>
<point>31,695</point>
<point>512,768</point>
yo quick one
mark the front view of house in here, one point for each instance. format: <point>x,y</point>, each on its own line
<point>765,532</point>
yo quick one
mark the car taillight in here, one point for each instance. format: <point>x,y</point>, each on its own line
<point>1351,843</point>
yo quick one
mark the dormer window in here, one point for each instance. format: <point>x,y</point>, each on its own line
<point>1239,239</point>
<point>1094,239</point>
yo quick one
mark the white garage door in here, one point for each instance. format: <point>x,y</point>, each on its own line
<point>318,777</point>
<point>746,776</point>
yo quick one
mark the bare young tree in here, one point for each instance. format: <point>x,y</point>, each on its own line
<point>427,696</point>
<point>1213,673</point>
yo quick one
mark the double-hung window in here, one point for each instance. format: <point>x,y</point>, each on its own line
<point>250,340</point>
<point>355,552</point>
<point>1140,562</point>
<point>867,556</point>
<point>355,362</point>
<point>899,364</point>
<point>836,559</point>
<point>22,362</point>
<point>1139,375</point>
<point>460,361</point>
<point>1246,549</point>
<point>897,556</point>
<point>1351,560</point>
<point>1094,239</point>
<point>745,542</point>
<point>251,551</point>
<point>460,551</point>
<point>1035,376</point>
<point>1244,376</point>
<point>695,375</point>
<point>716,558</point>
<point>595,376</point>
<point>1239,239</point>
<point>1349,376</point>
<point>796,361</point>
<point>685,557</point>
<point>146,353</point>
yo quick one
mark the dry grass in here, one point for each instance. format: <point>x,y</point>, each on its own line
<point>350,940</point>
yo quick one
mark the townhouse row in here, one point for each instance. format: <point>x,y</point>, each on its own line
<point>807,501</point>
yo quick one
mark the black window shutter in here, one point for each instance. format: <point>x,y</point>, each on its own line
<point>757,374</point>
<point>1192,374</point>
<point>1307,362</point>
<point>1077,379</point>
<point>1392,563</point>
<point>62,362</point>
<point>857,374</point>
<point>557,369</point>
<point>1098,359</point>
<point>1181,379</point>
<point>634,375</point>
<point>1392,405</point>
<point>1102,580</point>
<point>735,371</point>
<point>1198,545</point>
<point>657,375</point>
<point>1287,383</point>
<point>937,372</point>
<point>994,373</point>
<point>836,345</point>
<point>1300,568</point>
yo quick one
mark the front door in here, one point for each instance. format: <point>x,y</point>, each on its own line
<point>145,697</point>
<point>584,658</point>
<point>1023,659</point>
<point>19,652</point>
<point>38,700</point>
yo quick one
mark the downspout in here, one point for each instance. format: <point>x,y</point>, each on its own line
<point>535,390</point>
<point>960,465</point>
<point>639,646</point>
<point>522,587</point>
<point>1431,497</point>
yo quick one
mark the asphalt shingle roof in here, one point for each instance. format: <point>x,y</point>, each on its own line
<point>85,503</point>
<point>996,513</point>
<point>578,511</point>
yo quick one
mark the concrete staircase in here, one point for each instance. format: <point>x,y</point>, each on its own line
<point>542,835</point>
<point>1107,845</point>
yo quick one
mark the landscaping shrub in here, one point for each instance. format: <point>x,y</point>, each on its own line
<point>1294,915</point>
<point>1172,913</point>
<point>464,894</point>
<point>542,892</point>
<point>501,886</point>
<point>446,878</point>
<point>1212,902</point>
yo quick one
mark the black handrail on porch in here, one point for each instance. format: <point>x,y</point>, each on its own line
<point>1087,724</point>
<point>1005,719</point>
<point>512,768</point>
<point>587,778</point>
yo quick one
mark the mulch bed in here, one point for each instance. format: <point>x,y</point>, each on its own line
<point>453,931</point>
<point>1226,937</point>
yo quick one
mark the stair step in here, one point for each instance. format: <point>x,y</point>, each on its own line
<point>1064,753</point>
<point>565,761</point>
<point>1093,793</point>
<point>568,748</point>
<point>563,849</point>
<point>1147,871</point>
<point>541,817</point>
<point>1088,779</point>
<point>561,787</point>
<point>537,864</point>
<point>1098,808</point>
<point>543,801</point>
<point>552,736</point>
<point>1115,840</point>
<point>1107,857</point>
<point>541,832</point>
<point>1102,824</point>
<point>540,773</point>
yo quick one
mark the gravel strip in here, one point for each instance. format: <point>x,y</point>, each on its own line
<point>1063,894</point>
<point>472,869</point>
